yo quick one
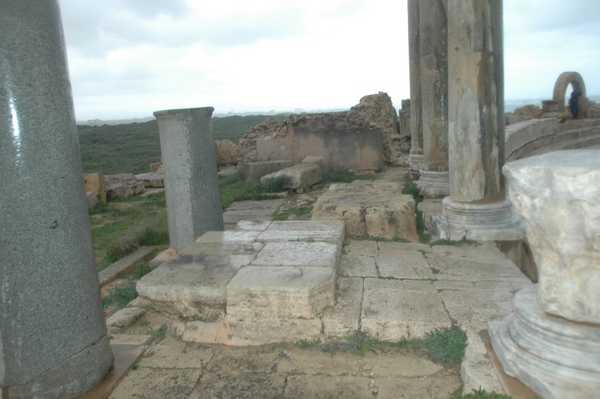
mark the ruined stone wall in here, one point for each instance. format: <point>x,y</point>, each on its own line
<point>374,115</point>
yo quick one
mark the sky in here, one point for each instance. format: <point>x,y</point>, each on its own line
<point>129,58</point>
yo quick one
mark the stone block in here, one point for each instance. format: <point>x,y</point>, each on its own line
<point>362,247</point>
<point>253,171</point>
<point>281,292</point>
<point>125,317</point>
<point>344,318</point>
<point>269,330</point>
<point>558,196</point>
<point>300,176</point>
<point>152,179</point>
<point>298,253</point>
<point>248,236</point>
<point>91,199</point>
<point>403,264</point>
<point>312,159</point>
<point>358,266</point>
<point>226,152</point>
<point>395,309</point>
<point>370,209</point>
<point>249,249</point>
<point>156,167</point>
<point>192,287</point>
<point>95,184</point>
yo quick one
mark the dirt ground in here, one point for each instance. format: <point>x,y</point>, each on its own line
<point>175,369</point>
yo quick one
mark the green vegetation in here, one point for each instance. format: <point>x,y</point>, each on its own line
<point>413,189</point>
<point>442,345</point>
<point>121,227</point>
<point>120,296</point>
<point>132,147</point>
<point>344,177</point>
<point>285,214</point>
<point>142,270</point>
<point>446,345</point>
<point>233,188</point>
<point>483,394</point>
<point>158,334</point>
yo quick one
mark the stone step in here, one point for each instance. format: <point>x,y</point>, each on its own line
<point>265,282</point>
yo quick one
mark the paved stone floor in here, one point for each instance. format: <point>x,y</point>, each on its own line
<point>388,289</point>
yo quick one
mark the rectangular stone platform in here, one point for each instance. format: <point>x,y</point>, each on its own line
<point>265,282</point>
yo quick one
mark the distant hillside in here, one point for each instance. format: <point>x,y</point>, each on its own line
<point>132,147</point>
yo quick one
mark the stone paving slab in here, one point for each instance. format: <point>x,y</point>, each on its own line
<point>362,247</point>
<point>402,264</point>
<point>325,387</point>
<point>229,236</point>
<point>391,312</point>
<point>222,248</point>
<point>239,386</point>
<point>308,254</point>
<point>466,270</point>
<point>157,383</point>
<point>358,266</point>
<point>344,318</point>
<point>270,330</point>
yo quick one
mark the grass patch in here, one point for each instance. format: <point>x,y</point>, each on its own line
<point>345,177</point>
<point>446,345</point>
<point>120,296</point>
<point>445,241</point>
<point>413,189</point>
<point>442,345</point>
<point>284,215</point>
<point>483,394</point>
<point>158,334</point>
<point>141,271</point>
<point>123,226</point>
<point>233,188</point>
<point>424,238</point>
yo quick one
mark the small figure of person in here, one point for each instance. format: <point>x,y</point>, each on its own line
<point>574,103</point>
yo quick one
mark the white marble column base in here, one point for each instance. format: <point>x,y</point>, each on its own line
<point>495,221</point>
<point>435,184</point>
<point>555,357</point>
<point>416,161</point>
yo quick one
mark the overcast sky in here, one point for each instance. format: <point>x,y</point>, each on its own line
<point>128,58</point>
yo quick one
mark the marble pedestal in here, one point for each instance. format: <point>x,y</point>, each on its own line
<point>555,357</point>
<point>433,183</point>
<point>416,161</point>
<point>480,222</point>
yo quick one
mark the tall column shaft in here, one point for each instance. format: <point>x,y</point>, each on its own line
<point>191,179</point>
<point>476,208</point>
<point>53,340</point>
<point>415,159</point>
<point>476,100</point>
<point>433,24</point>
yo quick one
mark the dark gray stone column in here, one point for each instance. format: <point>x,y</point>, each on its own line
<point>53,340</point>
<point>191,179</point>
<point>415,159</point>
<point>476,208</point>
<point>434,90</point>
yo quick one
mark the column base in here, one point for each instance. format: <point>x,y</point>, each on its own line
<point>416,161</point>
<point>435,184</point>
<point>479,222</point>
<point>555,357</point>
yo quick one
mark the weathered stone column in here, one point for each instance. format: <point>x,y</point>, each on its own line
<point>552,341</point>
<point>415,159</point>
<point>476,208</point>
<point>433,26</point>
<point>190,168</point>
<point>53,340</point>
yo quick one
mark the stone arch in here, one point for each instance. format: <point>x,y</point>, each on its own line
<point>560,87</point>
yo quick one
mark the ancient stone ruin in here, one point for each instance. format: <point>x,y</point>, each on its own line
<point>362,138</point>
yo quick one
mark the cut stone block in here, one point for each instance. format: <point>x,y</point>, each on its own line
<point>229,236</point>
<point>223,248</point>
<point>298,253</point>
<point>125,317</point>
<point>253,171</point>
<point>269,330</point>
<point>358,266</point>
<point>343,319</point>
<point>192,287</point>
<point>403,264</point>
<point>152,179</point>
<point>316,160</point>
<point>394,309</point>
<point>463,269</point>
<point>362,247</point>
<point>249,225</point>
<point>280,292</point>
<point>299,176</point>
<point>370,209</point>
